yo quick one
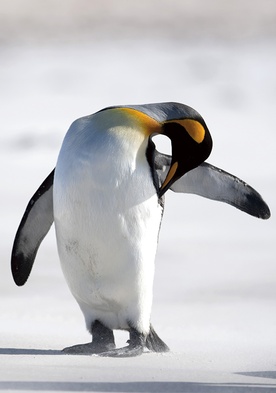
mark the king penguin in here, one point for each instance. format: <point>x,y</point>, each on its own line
<point>106,199</point>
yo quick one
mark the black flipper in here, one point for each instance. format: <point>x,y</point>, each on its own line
<point>213,183</point>
<point>34,226</point>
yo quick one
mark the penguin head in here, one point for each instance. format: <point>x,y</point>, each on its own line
<point>190,138</point>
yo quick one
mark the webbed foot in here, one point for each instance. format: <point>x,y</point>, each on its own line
<point>103,341</point>
<point>137,342</point>
<point>88,349</point>
<point>125,352</point>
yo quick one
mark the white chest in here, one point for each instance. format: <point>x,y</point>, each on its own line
<point>107,219</point>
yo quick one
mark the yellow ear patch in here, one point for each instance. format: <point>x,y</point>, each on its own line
<point>170,174</point>
<point>147,123</point>
<point>193,127</point>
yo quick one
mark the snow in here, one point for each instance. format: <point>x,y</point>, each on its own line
<point>214,292</point>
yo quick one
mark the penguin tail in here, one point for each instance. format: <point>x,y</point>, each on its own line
<point>154,342</point>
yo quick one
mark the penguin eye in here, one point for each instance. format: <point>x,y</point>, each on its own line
<point>162,144</point>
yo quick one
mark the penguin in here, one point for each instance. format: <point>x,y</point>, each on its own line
<point>106,200</point>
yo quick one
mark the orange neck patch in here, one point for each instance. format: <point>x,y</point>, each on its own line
<point>147,123</point>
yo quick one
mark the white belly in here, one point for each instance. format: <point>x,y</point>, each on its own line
<point>107,220</point>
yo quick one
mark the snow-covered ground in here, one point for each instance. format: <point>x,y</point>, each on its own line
<point>215,284</point>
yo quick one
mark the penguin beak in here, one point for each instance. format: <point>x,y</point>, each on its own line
<point>191,145</point>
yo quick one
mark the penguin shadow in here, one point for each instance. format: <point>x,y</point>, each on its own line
<point>259,374</point>
<point>29,351</point>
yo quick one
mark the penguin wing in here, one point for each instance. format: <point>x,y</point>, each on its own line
<point>213,183</point>
<point>34,226</point>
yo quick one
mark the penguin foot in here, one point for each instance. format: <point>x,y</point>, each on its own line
<point>88,349</point>
<point>103,341</point>
<point>136,344</point>
<point>125,352</point>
